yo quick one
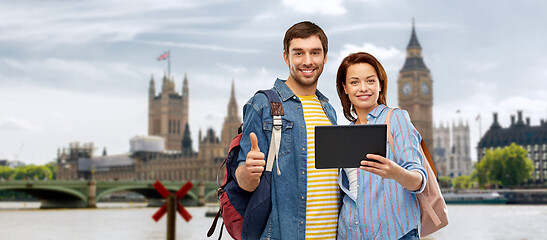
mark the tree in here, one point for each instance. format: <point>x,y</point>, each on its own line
<point>508,167</point>
<point>6,172</point>
<point>445,182</point>
<point>462,182</point>
<point>32,172</point>
<point>53,168</point>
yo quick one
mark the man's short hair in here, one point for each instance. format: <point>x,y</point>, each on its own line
<point>305,30</point>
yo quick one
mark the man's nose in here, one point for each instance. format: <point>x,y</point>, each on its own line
<point>307,59</point>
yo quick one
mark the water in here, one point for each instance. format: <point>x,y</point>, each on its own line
<point>20,221</point>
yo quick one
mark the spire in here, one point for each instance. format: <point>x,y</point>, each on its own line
<point>186,141</point>
<point>152,88</point>
<point>165,83</point>
<point>413,43</point>
<point>185,85</point>
<point>232,104</point>
<point>414,60</point>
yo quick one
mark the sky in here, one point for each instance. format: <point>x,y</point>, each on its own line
<point>79,71</point>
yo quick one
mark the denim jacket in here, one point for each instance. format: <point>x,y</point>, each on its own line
<point>288,217</point>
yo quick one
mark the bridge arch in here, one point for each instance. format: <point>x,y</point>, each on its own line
<point>143,190</point>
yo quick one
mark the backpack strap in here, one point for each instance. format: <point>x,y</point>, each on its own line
<point>277,112</point>
<point>423,149</point>
<point>428,164</point>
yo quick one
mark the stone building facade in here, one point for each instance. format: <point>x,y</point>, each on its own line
<point>165,154</point>
<point>452,150</point>
<point>520,132</point>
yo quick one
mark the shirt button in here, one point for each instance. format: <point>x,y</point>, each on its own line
<point>302,126</point>
<point>301,222</point>
<point>302,197</point>
<point>294,97</point>
<point>356,223</point>
<point>303,173</point>
<point>303,149</point>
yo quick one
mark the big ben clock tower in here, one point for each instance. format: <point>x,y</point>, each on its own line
<point>416,90</point>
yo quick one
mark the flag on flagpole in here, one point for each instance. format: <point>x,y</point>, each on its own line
<point>163,56</point>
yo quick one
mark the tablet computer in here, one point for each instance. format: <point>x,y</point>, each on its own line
<point>345,146</point>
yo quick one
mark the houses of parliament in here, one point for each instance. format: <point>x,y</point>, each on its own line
<point>167,154</point>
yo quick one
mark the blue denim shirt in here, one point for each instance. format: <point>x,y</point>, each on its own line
<point>288,217</point>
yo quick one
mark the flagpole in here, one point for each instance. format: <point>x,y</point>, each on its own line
<point>169,63</point>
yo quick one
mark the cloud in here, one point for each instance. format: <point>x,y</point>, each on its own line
<point>383,26</point>
<point>74,23</point>
<point>326,7</point>
<point>481,67</point>
<point>72,74</point>
<point>17,124</point>
<point>390,57</point>
<point>203,46</point>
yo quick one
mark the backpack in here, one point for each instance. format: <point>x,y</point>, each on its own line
<point>245,214</point>
<point>434,215</point>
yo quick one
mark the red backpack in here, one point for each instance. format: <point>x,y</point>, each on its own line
<point>245,214</point>
<point>434,215</point>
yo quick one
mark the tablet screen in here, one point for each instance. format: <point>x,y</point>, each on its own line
<point>345,146</point>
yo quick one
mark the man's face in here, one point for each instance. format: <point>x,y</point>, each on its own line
<point>305,60</point>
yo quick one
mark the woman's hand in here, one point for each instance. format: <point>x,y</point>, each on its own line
<point>411,180</point>
<point>384,167</point>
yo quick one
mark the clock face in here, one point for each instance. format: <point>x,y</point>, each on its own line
<point>425,89</point>
<point>407,88</point>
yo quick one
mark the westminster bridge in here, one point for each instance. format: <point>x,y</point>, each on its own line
<point>85,194</point>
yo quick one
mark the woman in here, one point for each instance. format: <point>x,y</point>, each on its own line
<point>379,200</point>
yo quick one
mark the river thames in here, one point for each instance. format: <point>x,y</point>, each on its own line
<point>133,221</point>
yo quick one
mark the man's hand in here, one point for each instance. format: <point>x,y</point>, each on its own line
<point>248,175</point>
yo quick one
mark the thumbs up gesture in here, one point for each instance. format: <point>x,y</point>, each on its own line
<point>255,159</point>
<point>248,175</point>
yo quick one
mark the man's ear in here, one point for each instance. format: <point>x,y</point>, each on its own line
<point>325,60</point>
<point>286,58</point>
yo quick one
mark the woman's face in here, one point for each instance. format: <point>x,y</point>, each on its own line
<point>362,86</point>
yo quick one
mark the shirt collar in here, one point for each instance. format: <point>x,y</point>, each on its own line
<point>285,92</point>
<point>377,110</point>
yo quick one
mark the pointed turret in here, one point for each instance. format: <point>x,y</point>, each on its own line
<point>152,88</point>
<point>187,142</point>
<point>414,60</point>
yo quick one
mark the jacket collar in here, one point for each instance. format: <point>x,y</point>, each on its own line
<point>286,93</point>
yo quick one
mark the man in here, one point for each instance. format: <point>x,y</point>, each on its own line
<point>304,200</point>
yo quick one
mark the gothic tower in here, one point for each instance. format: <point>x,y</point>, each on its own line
<point>415,87</point>
<point>168,112</point>
<point>461,149</point>
<point>231,122</point>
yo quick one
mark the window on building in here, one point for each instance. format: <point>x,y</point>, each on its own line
<point>544,157</point>
<point>536,165</point>
<point>536,147</point>
<point>544,147</point>
<point>536,156</point>
<point>529,148</point>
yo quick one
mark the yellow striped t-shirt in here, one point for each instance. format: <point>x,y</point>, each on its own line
<point>322,191</point>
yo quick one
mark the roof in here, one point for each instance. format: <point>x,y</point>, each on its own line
<point>104,163</point>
